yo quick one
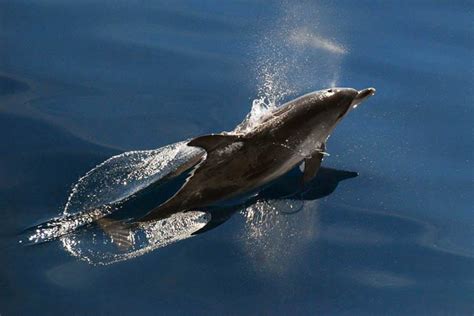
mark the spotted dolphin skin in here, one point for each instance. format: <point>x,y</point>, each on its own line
<point>236,164</point>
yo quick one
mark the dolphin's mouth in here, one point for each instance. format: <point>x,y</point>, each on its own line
<point>361,96</point>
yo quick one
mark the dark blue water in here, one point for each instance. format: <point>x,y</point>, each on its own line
<point>82,81</point>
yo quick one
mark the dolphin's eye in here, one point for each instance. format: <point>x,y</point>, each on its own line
<point>330,90</point>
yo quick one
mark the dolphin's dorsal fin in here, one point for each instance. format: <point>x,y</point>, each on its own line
<point>213,141</point>
<point>313,163</point>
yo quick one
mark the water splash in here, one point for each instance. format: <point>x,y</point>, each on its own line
<point>121,176</point>
<point>65,224</point>
<point>261,108</point>
<point>103,190</point>
<point>94,246</point>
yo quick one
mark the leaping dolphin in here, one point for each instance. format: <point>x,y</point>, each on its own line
<point>236,164</point>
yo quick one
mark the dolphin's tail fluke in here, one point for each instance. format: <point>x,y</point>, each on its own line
<point>121,233</point>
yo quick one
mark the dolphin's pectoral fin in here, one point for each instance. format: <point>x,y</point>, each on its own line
<point>311,167</point>
<point>211,142</point>
<point>312,164</point>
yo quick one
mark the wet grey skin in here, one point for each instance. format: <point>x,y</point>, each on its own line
<point>235,164</point>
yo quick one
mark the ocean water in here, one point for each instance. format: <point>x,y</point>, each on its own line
<point>386,228</point>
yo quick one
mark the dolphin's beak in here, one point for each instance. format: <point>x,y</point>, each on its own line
<point>362,95</point>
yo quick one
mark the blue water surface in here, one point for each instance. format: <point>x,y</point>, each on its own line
<point>81,81</point>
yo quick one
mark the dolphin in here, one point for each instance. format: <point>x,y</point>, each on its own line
<point>235,164</point>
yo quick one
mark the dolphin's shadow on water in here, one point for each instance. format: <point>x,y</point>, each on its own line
<point>289,186</point>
